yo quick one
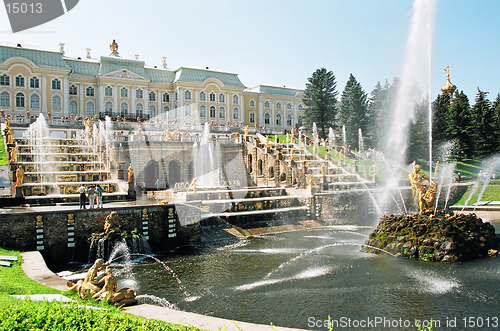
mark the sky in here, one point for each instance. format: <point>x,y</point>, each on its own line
<point>282,42</point>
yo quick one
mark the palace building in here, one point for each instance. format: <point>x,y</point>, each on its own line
<point>34,80</point>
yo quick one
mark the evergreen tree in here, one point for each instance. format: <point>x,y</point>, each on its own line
<point>353,112</point>
<point>440,113</point>
<point>320,101</point>
<point>483,127</point>
<point>495,107</point>
<point>458,126</point>
<point>380,105</point>
<point>418,146</point>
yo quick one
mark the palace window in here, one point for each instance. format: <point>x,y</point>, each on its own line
<point>73,107</point>
<point>56,84</point>
<point>5,99</point>
<point>203,111</point>
<point>124,92</point>
<point>152,96</point>
<point>166,97</point>
<point>138,94</point>
<point>152,111</point>
<point>90,109</point>
<point>166,109</point>
<point>266,104</point>
<point>236,113</point>
<point>300,107</point>
<point>288,106</point>
<point>222,98</point>
<point>20,81</point>
<point>4,80</point>
<point>34,82</point>
<point>56,102</point>
<point>20,99</point>
<point>34,101</point>
<point>124,109</point>
<point>139,109</point>
<point>89,91</point>
<point>187,110</point>
<point>108,91</point>
<point>267,118</point>
<point>187,95</point>
<point>252,117</point>
<point>278,105</point>
<point>222,112</point>
<point>73,90</point>
<point>108,108</point>
<point>252,103</point>
<point>235,98</point>
<point>289,120</point>
<point>212,111</point>
<point>278,119</point>
<point>203,96</point>
<point>212,97</point>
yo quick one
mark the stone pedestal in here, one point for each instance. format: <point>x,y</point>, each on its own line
<point>131,191</point>
<point>19,192</point>
<point>193,196</point>
<point>120,174</point>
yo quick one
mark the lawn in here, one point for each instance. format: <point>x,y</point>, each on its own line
<point>28,315</point>
<point>3,156</point>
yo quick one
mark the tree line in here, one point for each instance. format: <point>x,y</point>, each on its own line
<point>472,132</point>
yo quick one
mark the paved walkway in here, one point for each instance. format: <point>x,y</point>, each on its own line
<point>35,268</point>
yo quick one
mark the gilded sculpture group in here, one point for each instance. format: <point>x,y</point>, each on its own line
<point>423,189</point>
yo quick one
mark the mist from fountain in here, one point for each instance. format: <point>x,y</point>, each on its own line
<point>344,138</point>
<point>331,138</point>
<point>35,135</point>
<point>206,160</point>
<point>361,146</point>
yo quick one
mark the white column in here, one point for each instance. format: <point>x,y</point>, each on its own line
<point>81,109</point>
<point>44,93</point>
<point>116,106</point>
<point>65,93</point>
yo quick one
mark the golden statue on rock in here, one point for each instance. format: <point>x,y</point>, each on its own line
<point>423,189</point>
<point>111,223</point>
<point>103,289</point>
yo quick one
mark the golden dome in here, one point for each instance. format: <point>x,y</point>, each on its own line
<point>448,87</point>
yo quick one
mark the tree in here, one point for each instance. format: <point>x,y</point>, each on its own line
<point>353,112</point>
<point>440,113</point>
<point>483,129</point>
<point>418,145</point>
<point>379,107</point>
<point>320,101</point>
<point>458,126</point>
<point>495,107</point>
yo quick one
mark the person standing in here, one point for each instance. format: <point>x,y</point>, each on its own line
<point>91,194</point>
<point>98,194</point>
<point>82,190</point>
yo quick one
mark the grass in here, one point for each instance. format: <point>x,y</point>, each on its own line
<point>491,193</point>
<point>28,315</point>
<point>3,155</point>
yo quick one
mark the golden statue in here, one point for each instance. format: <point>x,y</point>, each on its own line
<point>19,176</point>
<point>10,136</point>
<point>111,223</point>
<point>193,185</point>
<point>114,48</point>
<point>246,132</point>
<point>105,288</point>
<point>12,155</point>
<point>130,172</point>
<point>293,136</point>
<point>7,122</point>
<point>168,135</point>
<point>423,189</point>
<point>448,87</point>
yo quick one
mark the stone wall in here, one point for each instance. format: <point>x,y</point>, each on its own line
<point>62,236</point>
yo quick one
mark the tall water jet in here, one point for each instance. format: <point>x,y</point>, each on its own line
<point>331,138</point>
<point>35,134</point>
<point>206,160</point>
<point>415,79</point>
<point>344,137</point>
<point>360,141</point>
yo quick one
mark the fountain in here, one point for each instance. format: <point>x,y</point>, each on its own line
<point>206,158</point>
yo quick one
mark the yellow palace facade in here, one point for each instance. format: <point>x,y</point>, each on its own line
<point>34,80</point>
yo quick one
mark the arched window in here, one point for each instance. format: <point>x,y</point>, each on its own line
<point>203,96</point>
<point>152,96</point>
<point>300,107</point>
<point>288,106</point>
<point>73,90</point>
<point>187,110</point>
<point>278,105</point>
<point>267,118</point>
<point>56,102</point>
<point>222,112</point>
<point>124,109</point>
<point>222,98</point>
<point>212,97</point>
<point>34,101</point>
<point>89,109</point>
<point>139,110</point>
<point>203,111</point>
<point>278,119</point>
<point>266,104</point>
<point>152,111</point>
<point>89,91</point>
<point>124,92</point>
<point>166,97</point>
<point>235,98</point>
<point>108,108</point>
<point>187,95</point>
<point>252,117</point>
<point>236,113</point>
<point>73,107</point>
<point>289,120</point>
<point>212,111</point>
<point>138,94</point>
<point>252,103</point>
<point>5,99</point>
<point>166,109</point>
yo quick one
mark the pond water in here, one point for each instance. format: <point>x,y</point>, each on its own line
<point>298,279</point>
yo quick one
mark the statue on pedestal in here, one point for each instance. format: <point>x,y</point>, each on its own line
<point>130,172</point>
<point>423,189</point>
<point>19,176</point>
